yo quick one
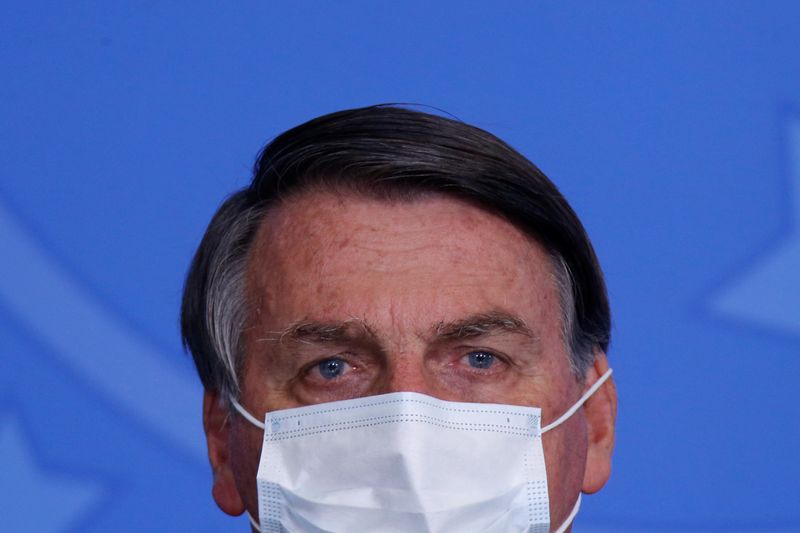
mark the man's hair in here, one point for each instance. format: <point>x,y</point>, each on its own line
<point>395,154</point>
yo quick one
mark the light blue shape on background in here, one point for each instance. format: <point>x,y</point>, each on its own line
<point>768,292</point>
<point>103,350</point>
<point>36,497</point>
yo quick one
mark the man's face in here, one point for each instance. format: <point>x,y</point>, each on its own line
<point>352,297</point>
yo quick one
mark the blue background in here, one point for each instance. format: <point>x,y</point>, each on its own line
<point>670,126</point>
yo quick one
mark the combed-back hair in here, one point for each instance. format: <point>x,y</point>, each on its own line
<point>392,153</point>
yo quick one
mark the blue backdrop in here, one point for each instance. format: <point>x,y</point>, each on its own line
<point>669,126</point>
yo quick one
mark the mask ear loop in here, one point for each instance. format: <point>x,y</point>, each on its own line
<point>259,424</point>
<point>250,418</point>
<point>571,516</point>
<point>560,420</point>
<point>253,522</point>
<point>571,411</point>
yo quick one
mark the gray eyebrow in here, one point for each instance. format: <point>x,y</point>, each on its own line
<point>483,324</point>
<point>310,332</point>
<point>356,329</point>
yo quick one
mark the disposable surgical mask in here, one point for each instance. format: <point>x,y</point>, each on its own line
<point>405,462</point>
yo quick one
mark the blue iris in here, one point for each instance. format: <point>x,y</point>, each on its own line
<point>480,360</point>
<point>331,368</point>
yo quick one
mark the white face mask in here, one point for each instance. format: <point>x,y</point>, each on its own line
<point>405,462</point>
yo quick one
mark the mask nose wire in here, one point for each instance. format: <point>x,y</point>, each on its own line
<point>571,411</point>
<point>250,418</point>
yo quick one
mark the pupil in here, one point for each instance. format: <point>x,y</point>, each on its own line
<point>330,368</point>
<point>481,359</point>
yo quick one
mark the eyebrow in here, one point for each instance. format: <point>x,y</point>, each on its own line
<point>308,332</point>
<point>356,329</point>
<point>483,324</point>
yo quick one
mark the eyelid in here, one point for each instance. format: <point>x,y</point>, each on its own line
<point>514,359</point>
<point>310,386</point>
<point>311,365</point>
<point>352,360</point>
<point>465,350</point>
<point>501,360</point>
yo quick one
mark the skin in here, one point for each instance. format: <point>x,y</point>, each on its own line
<point>400,294</point>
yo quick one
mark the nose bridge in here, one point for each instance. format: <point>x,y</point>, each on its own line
<point>404,346</point>
<point>406,373</point>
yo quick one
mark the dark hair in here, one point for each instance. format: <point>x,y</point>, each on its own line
<point>393,153</point>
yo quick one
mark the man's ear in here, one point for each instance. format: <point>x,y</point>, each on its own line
<point>601,415</point>
<point>216,423</point>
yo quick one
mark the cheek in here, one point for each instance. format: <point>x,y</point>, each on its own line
<point>565,457</point>
<point>245,450</point>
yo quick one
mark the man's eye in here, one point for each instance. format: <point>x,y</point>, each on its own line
<point>332,368</point>
<point>480,360</point>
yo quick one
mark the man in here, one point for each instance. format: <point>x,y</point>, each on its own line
<point>435,294</point>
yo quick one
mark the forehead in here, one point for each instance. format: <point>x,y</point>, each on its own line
<point>327,256</point>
